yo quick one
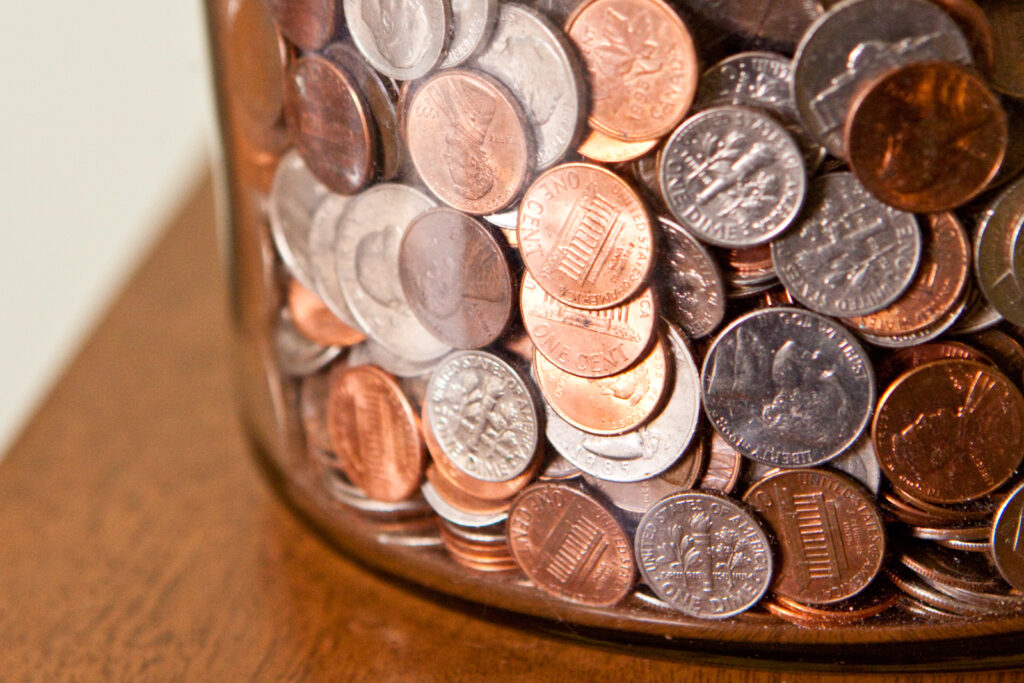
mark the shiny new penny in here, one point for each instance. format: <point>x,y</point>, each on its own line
<point>469,141</point>
<point>375,434</point>
<point>570,546</point>
<point>609,405</point>
<point>307,23</point>
<point>587,343</point>
<point>950,431</point>
<point>926,137</point>
<point>642,64</point>
<point>330,124</point>
<point>313,319</point>
<point>1008,538</point>
<point>455,278</point>
<point>831,539</point>
<point>585,236</point>
<point>604,148</point>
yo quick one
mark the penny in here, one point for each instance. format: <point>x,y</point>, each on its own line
<point>472,22</point>
<point>950,515</point>
<point>600,147</point>
<point>927,334</point>
<point>976,28</point>
<point>535,61</point>
<point>691,281</point>
<point>296,354</point>
<point>642,64</point>
<point>295,197</point>
<point>570,546</point>
<point>984,547</point>
<point>468,140</point>
<point>647,451</point>
<point>609,405</point>
<point>859,462</point>
<point>375,434</point>
<point>1006,18</point>
<point>975,533</point>
<point>787,387</point>
<point>1008,538</point>
<point>312,318</point>
<point>458,498</point>
<point>778,296</point>
<point>410,511</point>
<point>855,42</point>
<point>871,602</point>
<point>1006,351</point>
<point>704,554</point>
<point>831,539</point>
<point>369,234</point>
<point>323,235</point>
<point>941,280</point>
<point>307,23</point>
<point>732,176</point>
<point>996,243</point>
<point>403,39</point>
<point>750,266</point>
<point>585,236</point>
<point>725,464</point>
<point>447,511</point>
<point>587,343</point>
<point>848,254</point>
<point>455,278</point>
<point>935,421</point>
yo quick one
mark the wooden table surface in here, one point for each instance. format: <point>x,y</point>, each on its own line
<point>140,543</point>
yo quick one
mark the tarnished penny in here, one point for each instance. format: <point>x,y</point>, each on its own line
<point>604,148</point>
<point>587,343</point>
<point>1008,538</point>
<point>1004,350</point>
<point>375,434</point>
<point>694,296</point>
<point>950,431</point>
<point>455,278</point>
<point>1007,20</point>
<point>609,405</point>
<point>770,24</point>
<point>585,236</point>
<point>313,319</point>
<point>468,139</point>
<point>926,137</point>
<point>570,546</point>
<point>642,64</point>
<point>831,539</point>
<point>898,362</point>
<point>307,23</point>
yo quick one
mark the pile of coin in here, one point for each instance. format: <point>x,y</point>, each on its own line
<point>713,340</point>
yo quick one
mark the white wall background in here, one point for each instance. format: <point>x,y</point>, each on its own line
<point>104,113</point>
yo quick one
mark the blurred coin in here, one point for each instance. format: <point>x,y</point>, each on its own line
<point>372,353</point>
<point>447,511</point>
<point>1008,538</point>
<point>1006,18</point>
<point>997,240</point>
<point>633,497</point>
<point>775,24</point>
<point>600,147</point>
<point>898,362</point>
<point>896,341</point>
<point>323,236</point>
<point>312,318</point>
<point>295,197</point>
<point>460,499</point>
<point>307,23</point>
<point>939,565</point>
<point>403,39</point>
<point>976,28</point>
<point>1006,351</point>
<point>471,24</point>
<point>296,354</point>
<point>692,281</point>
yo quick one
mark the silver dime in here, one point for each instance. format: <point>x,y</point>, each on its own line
<point>997,239</point>
<point>322,238</point>
<point>447,511</point>
<point>848,254</point>
<point>472,23</point>
<point>366,251</point>
<point>787,387</point>
<point>634,497</point>
<point>483,416</point>
<point>979,314</point>
<point>858,40</point>
<point>732,176</point>
<point>296,354</point>
<point>534,60</point>
<point>644,452</point>
<point>403,39</point>
<point>691,282</point>
<point>295,195</point>
<point>704,555</point>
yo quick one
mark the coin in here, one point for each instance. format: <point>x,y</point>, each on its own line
<point>403,39</point>
<point>642,64</point>
<point>372,353</point>
<point>725,464</point>
<point>314,390</point>
<point>1008,538</point>
<point>996,242</point>
<point>600,147</point>
<point>871,602</point>
<point>1006,351</point>
<point>776,24</point>
<point>1006,17</point>
<point>976,28</point>
<point>831,539</point>
<point>570,546</point>
<point>979,314</point>
<point>455,278</point>
<point>307,23</point>
<point>787,387</point>
<point>933,423</point>
<point>632,497</point>
<point>323,235</point>
<point>732,176</point>
<point>585,236</point>
<point>704,555</point>
<point>859,462</point>
<point>296,354</point>
<point>472,22</point>
<point>312,318</point>
<point>848,254</point>
<point>468,140</point>
<point>692,283</point>
<point>447,511</point>
<point>938,565</point>
<point>927,334</point>
<point>295,196</point>
<point>458,498</point>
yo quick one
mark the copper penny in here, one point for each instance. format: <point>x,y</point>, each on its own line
<point>725,464</point>
<point>949,515</point>
<point>898,362</point>
<point>1006,351</point>
<point>609,405</point>
<point>375,433</point>
<point>1007,20</point>
<point>458,498</point>
<point>455,278</point>
<point>940,282</point>
<point>312,318</point>
<point>972,21</point>
<point>587,343</point>
<point>585,236</point>
<point>642,64</point>
<point>880,597</point>
<point>469,141</point>
<point>570,546</point>
<point>307,23</point>
<point>831,539</point>
<point>330,124</point>
<point>604,148</point>
<point>949,431</point>
<point>926,137</point>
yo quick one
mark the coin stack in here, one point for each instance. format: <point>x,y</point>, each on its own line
<point>564,303</point>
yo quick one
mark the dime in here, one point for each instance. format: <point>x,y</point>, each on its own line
<point>468,140</point>
<point>472,23</point>
<point>295,196</point>
<point>704,555</point>
<point>642,64</point>
<point>998,239</point>
<point>585,236</point>
<point>307,23</point>
<point>725,464</point>
<point>369,234</point>
<point>535,61</point>
<point>455,277</point>
<point>313,319</point>
<point>950,431</point>
<point>849,254</point>
<point>732,176</point>
<point>1008,538</point>
<point>323,235</point>
<point>403,39</point>
<point>1006,17</point>
<point>295,354</point>
<point>601,147</point>
<point>483,416</point>
<point>858,41</point>
<point>694,293</point>
<point>587,343</point>
<point>570,546</point>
